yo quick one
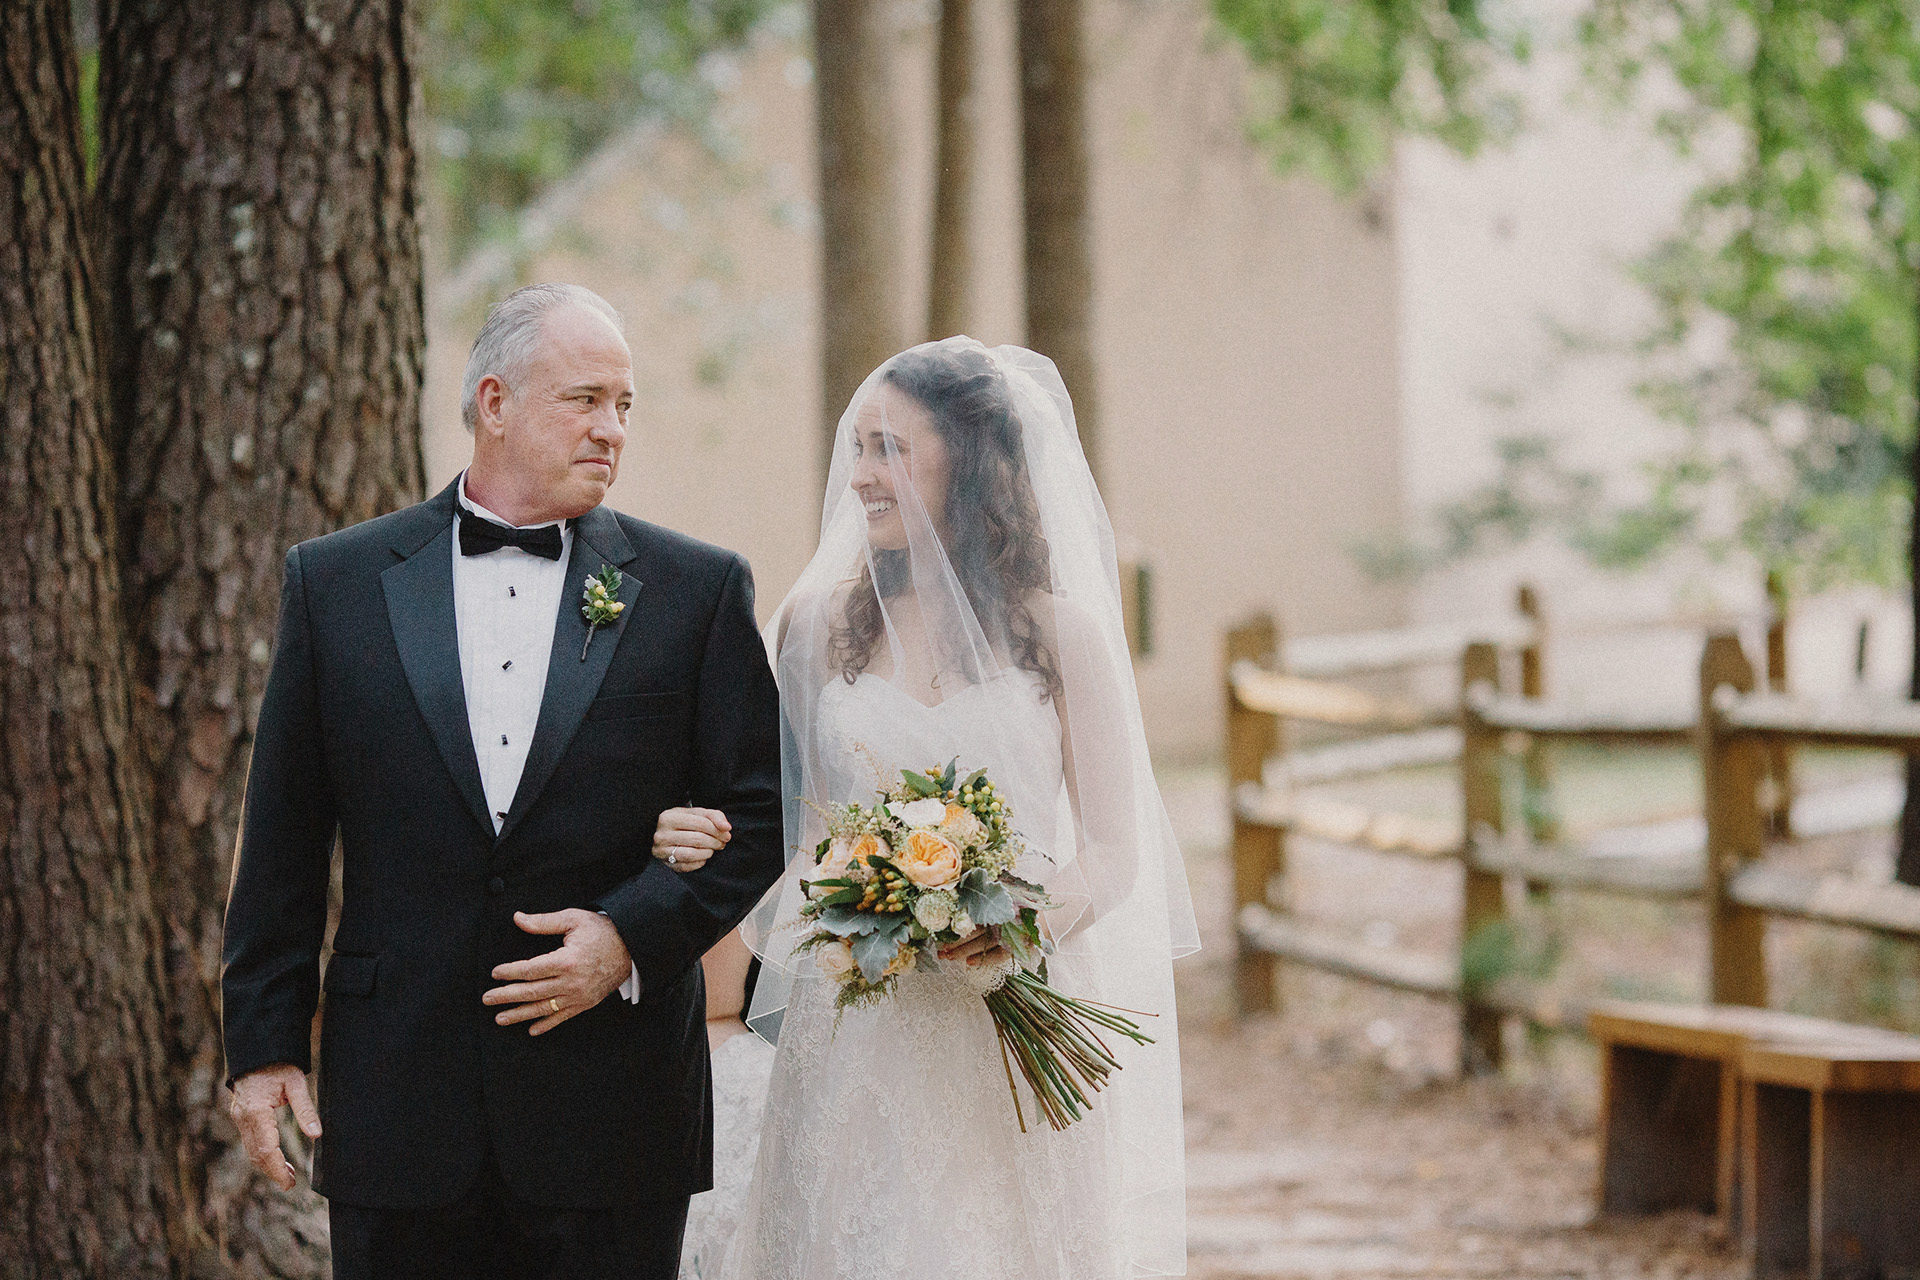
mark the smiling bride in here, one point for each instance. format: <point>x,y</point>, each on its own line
<point>964,602</point>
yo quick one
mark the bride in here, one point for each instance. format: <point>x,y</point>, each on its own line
<point>964,604</point>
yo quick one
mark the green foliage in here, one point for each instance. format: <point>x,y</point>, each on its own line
<point>518,92</point>
<point>1336,80</point>
<point>1797,261</point>
<point>1528,950</point>
<point>1804,257</point>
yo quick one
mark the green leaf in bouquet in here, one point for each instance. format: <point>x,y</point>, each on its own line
<point>919,783</point>
<point>873,952</point>
<point>946,778</point>
<point>820,850</point>
<point>1022,938</point>
<point>985,902</point>
<point>845,922</point>
<point>973,779</point>
<point>1026,893</point>
<point>847,896</point>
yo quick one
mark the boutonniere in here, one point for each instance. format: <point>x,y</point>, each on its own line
<point>598,603</point>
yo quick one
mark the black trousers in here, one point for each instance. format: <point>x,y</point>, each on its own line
<point>491,1234</point>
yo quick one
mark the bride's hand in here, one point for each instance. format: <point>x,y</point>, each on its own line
<point>982,946</point>
<point>686,838</point>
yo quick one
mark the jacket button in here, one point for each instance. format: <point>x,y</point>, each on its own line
<point>496,885</point>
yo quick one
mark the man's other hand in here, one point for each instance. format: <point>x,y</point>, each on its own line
<point>257,1099</point>
<point>587,968</point>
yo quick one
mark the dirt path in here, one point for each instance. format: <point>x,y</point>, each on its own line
<point>1331,1142</point>
<point>1302,1168</point>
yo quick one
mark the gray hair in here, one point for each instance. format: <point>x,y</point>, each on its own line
<point>511,335</point>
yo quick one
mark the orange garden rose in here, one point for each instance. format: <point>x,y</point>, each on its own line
<point>929,859</point>
<point>845,851</point>
<point>960,825</point>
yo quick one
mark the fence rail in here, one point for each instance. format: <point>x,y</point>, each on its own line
<point>1742,736</point>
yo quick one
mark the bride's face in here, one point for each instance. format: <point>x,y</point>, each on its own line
<point>894,444</point>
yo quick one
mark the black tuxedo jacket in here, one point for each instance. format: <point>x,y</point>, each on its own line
<point>363,732</point>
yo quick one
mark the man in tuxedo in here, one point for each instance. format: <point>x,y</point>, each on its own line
<point>513,1057</point>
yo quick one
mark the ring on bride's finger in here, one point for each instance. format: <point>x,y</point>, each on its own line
<point>673,857</point>
<point>553,1005</point>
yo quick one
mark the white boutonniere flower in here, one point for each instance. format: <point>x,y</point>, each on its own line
<point>600,604</point>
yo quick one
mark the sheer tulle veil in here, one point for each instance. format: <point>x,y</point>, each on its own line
<point>1010,577</point>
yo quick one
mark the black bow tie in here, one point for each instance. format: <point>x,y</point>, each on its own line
<point>479,535</point>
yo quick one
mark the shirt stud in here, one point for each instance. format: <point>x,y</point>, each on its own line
<point>511,591</point>
<point>503,739</point>
<point>507,665</point>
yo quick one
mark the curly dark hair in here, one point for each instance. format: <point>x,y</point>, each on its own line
<point>993,537</point>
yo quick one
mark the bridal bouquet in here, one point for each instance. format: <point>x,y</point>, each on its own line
<point>926,867</point>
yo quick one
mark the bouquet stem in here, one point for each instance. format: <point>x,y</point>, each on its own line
<point>1055,1038</point>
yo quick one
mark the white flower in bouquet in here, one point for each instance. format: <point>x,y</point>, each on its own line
<point>839,855</point>
<point>935,910</point>
<point>930,812</point>
<point>835,959</point>
<point>962,924</point>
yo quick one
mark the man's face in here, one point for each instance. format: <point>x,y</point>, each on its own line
<point>556,438</point>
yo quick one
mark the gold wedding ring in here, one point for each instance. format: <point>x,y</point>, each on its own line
<point>553,1006</point>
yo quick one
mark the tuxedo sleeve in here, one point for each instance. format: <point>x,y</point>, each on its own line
<point>669,920</point>
<point>277,909</point>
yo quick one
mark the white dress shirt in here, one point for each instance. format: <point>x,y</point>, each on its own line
<point>505,605</point>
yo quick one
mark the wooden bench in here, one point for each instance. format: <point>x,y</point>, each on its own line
<point>1830,1158</point>
<point>1670,1098</point>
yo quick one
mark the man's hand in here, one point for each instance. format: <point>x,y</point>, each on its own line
<point>588,967</point>
<point>257,1099</point>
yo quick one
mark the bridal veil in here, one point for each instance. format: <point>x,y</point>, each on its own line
<point>965,553</point>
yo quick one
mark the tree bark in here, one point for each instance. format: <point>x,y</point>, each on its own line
<point>261,259</point>
<point>1059,231</point>
<point>87,1124</point>
<point>949,296</point>
<point>859,241</point>
<point>1907,863</point>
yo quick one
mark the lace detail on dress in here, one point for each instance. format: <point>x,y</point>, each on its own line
<point>891,1152</point>
<point>741,1068</point>
<point>890,1149</point>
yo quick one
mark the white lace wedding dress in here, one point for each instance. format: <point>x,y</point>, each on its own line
<point>890,1148</point>
<point>741,1067</point>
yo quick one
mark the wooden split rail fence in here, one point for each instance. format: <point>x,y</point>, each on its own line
<point>1742,736</point>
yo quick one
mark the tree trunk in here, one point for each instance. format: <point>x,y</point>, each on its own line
<point>261,261</point>
<point>1907,863</point>
<point>859,243</point>
<point>949,300</point>
<point>87,1125</point>
<point>1059,231</point>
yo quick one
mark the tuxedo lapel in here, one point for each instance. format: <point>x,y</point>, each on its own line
<point>573,681</point>
<point>419,593</point>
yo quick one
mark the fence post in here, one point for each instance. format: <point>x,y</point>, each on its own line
<point>1536,800</point>
<point>1779,752</point>
<point>1730,791</point>
<point>1483,903</point>
<point>1259,853</point>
